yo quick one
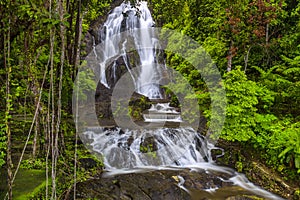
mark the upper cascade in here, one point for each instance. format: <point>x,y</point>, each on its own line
<point>136,20</point>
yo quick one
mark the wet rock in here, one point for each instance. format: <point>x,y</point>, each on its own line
<point>134,106</point>
<point>216,153</point>
<point>161,185</point>
<point>137,104</point>
<point>148,145</point>
<point>126,145</point>
<point>103,101</point>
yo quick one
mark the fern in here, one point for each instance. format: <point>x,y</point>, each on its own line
<point>265,74</point>
<point>292,70</point>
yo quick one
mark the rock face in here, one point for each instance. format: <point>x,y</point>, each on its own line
<point>161,185</point>
<point>136,105</point>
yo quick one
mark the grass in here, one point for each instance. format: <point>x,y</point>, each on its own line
<point>27,182</point>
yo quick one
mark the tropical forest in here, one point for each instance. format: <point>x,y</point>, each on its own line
<point>150,100</point>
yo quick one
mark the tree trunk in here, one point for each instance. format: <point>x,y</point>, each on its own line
<point>76,64</point>
<point>37,127</point>
<point>229,57</point>
<point>267,34</point>
<point>8,108</point>
<point>77,37</point>
<point>37,104</point>
<point>52,125</point>
<point>246,58</point>
<point>62,61</point>
<point>70,47</point>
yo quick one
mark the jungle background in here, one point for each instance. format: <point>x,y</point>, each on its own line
<point>254,43</point>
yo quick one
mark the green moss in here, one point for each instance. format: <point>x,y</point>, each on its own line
<point>239,166</point>
<point>36,193</point>
<point>297,194</point>
<point>27,183</point>
<point>136,108</point>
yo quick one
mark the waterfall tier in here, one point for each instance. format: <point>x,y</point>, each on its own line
<point>138,18</point>
<point>142,148</point>
<point>162,112</point>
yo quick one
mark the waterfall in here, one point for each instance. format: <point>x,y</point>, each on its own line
<point>156,147</point>
<point>142,148</point>
<point>160,146</point>
<point>126,18</point>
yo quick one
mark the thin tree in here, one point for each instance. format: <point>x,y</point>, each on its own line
<point>53,149</point>
<point>61,11</point>
<point>8,108</point>
<point>76,64</point>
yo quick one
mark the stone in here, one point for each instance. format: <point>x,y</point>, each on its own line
<point>161,185</point>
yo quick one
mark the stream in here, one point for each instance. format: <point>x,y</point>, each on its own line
<point>163,159</point>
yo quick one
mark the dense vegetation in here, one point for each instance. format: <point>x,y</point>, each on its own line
<point>256,46</point>
<point>254,43</point>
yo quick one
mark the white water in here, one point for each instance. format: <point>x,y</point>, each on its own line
<point>162,112</point>
<point>127,18</point>
<point>140,148</point>
<point>163,108</point>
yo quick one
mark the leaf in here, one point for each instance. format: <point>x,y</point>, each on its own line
<point>282,154</point>
<point>297,161</point>
<point>295,70</point>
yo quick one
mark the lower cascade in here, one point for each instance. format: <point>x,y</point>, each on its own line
<point>168,150</point>
<point>143,148</point>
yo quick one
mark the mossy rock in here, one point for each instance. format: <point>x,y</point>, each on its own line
<point>137,104</point>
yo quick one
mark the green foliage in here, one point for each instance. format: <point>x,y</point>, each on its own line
<point>239,166</point>
<point>284,81</point>
<point>287,142</point>
<point>149,150</point>
<point>95,9</point>
<point>30,24</point>
<point>215,47</point>
<point>263,103</point>
<point>2,144</point>
<point>65,165</point>
<point>33,164</point>
<point>243,97</point>
<point>85,84</point>
<point>297,194</point>
<point>37,193</point>
<point>248,120</point>
<point>136,108</point>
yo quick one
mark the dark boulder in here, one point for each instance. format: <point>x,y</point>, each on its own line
<point>161,185</point>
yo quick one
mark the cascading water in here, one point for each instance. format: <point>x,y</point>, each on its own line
<point>126,18</point>
<point>162,112</point>
<point>127,151</point>
<point>148,146</point>
<point>140,148</point>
